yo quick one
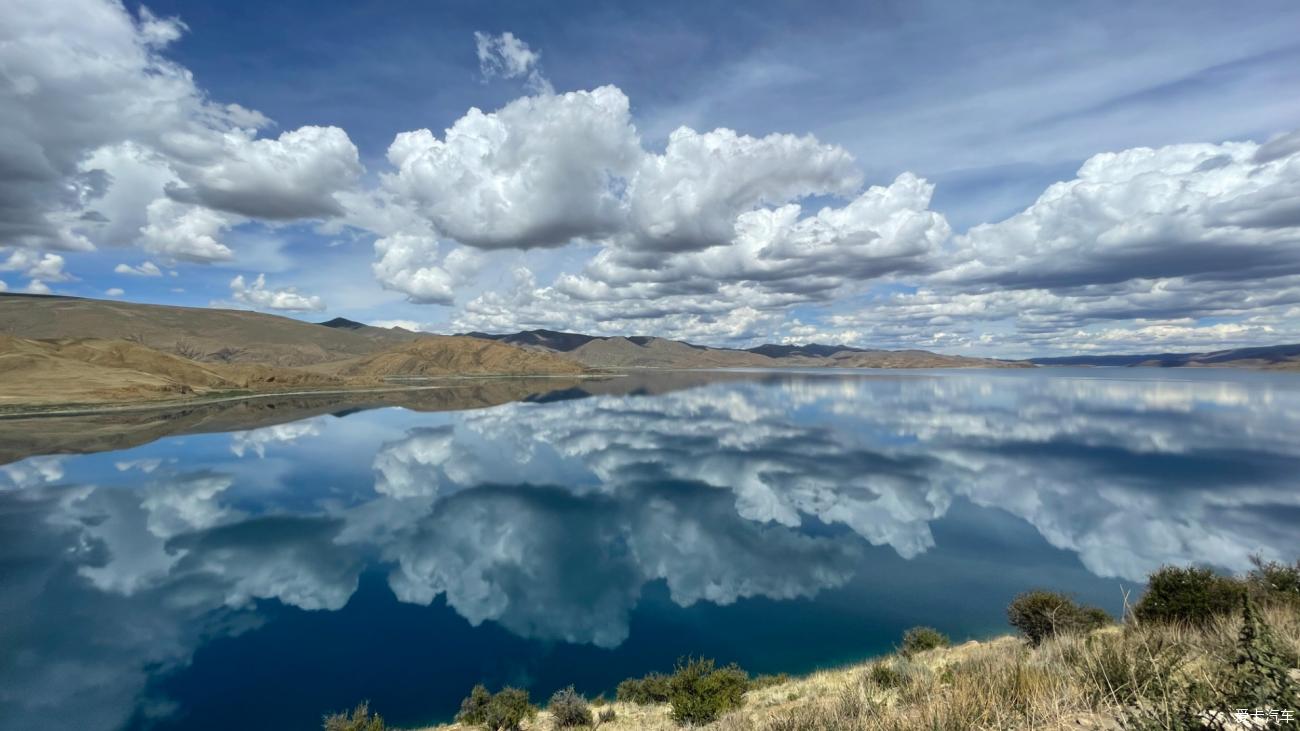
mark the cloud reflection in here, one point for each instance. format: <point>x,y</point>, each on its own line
<point>551,518</point>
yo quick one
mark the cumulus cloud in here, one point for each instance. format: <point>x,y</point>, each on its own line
<point>46,267</point>
<point>145,269</point>
<point>508,57</point>
<point>260,296</point>
<point>114,291</point>
<point>99,128</point>
<point>1200,211</point>
<point>293,176</point>
<point>538,172</point>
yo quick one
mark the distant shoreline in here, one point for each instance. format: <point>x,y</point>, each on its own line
<point>118,407</point>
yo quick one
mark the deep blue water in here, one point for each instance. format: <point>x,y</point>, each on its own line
<point>785,521</point>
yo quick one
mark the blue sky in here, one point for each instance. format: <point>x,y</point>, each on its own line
<point>564,206</point>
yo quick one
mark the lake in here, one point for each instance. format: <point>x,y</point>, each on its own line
<point>255,565</point>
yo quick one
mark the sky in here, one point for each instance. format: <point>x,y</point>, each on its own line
<point>1003,178</point>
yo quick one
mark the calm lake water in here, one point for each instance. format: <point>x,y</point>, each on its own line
<point>187,577</point>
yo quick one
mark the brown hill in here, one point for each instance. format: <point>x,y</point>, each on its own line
<point>94,370</point>
<point>444,355</point>
<point>195,333</point>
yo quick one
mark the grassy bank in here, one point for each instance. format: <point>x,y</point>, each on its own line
<point>1196,649</point>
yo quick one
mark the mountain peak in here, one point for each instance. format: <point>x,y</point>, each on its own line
<point>343,323</point>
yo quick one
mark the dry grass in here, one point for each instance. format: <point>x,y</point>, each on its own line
<point>1068,682</point>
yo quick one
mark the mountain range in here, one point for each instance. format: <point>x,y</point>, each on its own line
<point>67,350</point>
<point>1271,357</point>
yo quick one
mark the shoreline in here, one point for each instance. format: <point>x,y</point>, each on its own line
<point>41,411</point>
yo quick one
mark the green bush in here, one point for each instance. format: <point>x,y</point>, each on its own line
<point>1193,595</point>
<point>1261,671</point>
<point>508,709</point>
<point>883,674</point>
<point>606,715</point>
<point>1041,614</point>
<point>1273,582</point>
<point>653,688</point>
<point>359,719</point>
<point>569,709</point>
<point>919,639</point>
<point>700,692</point>
<point>504,711</point>
<point>473,710</point>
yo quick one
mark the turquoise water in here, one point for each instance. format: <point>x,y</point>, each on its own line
<point>785,521</point>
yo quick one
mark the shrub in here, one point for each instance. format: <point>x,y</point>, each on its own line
<point>473,710</point>
<point>1041,614</point>
<point>919,639</point>
<point>606,715</point>
<point>359,719</point>
<point>569,709</point>
<point>507,710</point>
<point>1272,582</point>
<point>504,711</point>
<point>699,692</point>
<point>653,688</point>
<point>883,674</point>
<point>1262,669</point>
<point>1193,595</point>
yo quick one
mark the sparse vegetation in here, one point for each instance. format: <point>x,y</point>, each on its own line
<point>1187,594</point>
<point>505,710</point>
<point>358,719</point>
<point>569,709</point>
<point>1042,614</point>
<point>920,639</point>
<point>699,692</point>
<point>1075,672</point>
<point>653,688</point>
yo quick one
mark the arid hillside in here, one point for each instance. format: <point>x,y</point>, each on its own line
<point>70,370</point>
<point>443,355</point>
<point>194,333</point>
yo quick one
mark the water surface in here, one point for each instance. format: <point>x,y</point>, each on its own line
<point>181,576</point>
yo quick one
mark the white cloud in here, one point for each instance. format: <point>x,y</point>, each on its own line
<point>36,286</point>
<point>99,127</point>
<point>258,295</point>
<point>145,269</point>
<point>508,57</point>
<point>1197,210</point>
<point>539,172</point>
<point>114,291</point>
<point>690,197</point>
<point>46,267</point>
<point>186,232</point>
<point>411,325</point>
<point>293,176</point>
<point>408,263</point>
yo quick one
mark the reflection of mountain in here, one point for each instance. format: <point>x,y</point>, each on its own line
<point>21,438</point>
<point>551,517</point>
